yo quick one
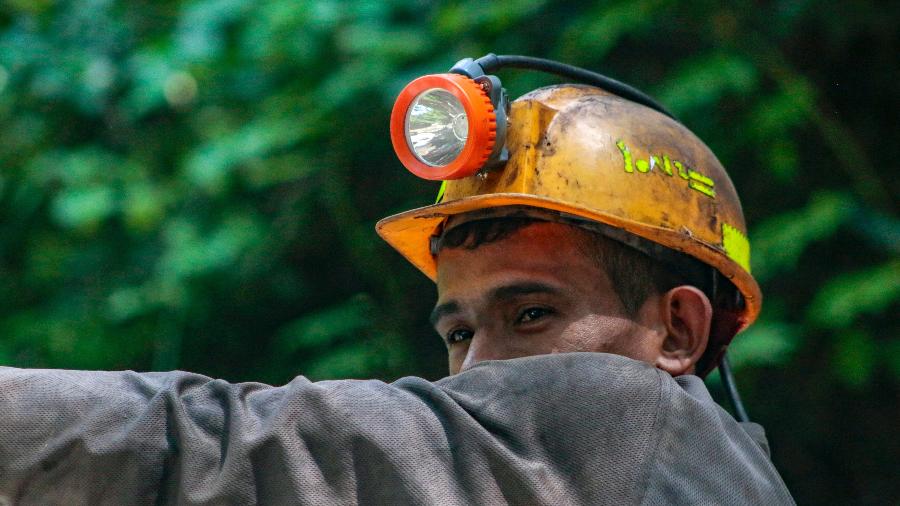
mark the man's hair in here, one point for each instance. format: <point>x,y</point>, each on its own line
<point>634,275</point>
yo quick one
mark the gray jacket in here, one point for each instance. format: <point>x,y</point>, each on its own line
<point>579,428</point>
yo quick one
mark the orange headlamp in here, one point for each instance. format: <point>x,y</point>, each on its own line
<point>449,126</point>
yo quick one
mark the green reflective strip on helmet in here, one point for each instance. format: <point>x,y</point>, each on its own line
<point>736,245</point>
<point>440,194</point>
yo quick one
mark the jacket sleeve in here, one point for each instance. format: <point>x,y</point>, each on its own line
<point>561,429</point>
<point>73,437</point>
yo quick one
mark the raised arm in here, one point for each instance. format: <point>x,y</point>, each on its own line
<point>563,429</point>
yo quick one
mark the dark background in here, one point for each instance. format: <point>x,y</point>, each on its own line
<point>193,184</point>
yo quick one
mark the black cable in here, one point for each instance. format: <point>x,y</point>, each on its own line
<point>492,62</point>
<point>731,389</point>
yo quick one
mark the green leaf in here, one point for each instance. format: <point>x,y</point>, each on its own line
<point>854,358</point>
<point>126,303</point>
<point>779,242</point>
<point>210,165</point>
<point>83,207</point>
<point>455,18</point>
<point>848,296</point>
<point>782,159</point>
<point>143,206</point>
<point>774,116</point>
<point>328,325</point>
<point>597,32</point>
<point>149,69</point>
<point>765,343</point>
<point>701,82</point>
<point>189,253</point>
<point>340,362</point>
<point>891,355</point>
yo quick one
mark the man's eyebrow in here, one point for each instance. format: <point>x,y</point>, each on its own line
<point>443,310</point>
<point>507,292</point>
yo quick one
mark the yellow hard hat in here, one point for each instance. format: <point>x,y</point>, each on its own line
<point>584,153</point>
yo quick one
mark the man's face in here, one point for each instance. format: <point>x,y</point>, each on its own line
<point>534,292</point>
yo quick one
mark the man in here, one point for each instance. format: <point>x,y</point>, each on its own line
<point>576,305</point>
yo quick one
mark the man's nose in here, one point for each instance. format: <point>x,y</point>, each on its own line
<point>484,346</point>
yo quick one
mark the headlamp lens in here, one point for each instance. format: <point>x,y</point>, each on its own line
<point>436,127</point>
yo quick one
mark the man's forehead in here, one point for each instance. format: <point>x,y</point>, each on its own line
<point>540,250</point>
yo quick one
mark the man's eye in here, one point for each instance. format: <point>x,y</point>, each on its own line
<point>533,313</point>
<point>459,335</point>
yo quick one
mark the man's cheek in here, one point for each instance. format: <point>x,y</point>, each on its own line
<point>598,334</point>
<point>582,339</point>
<point>456,355</point>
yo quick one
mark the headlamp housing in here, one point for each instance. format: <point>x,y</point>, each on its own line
<point>444,126</point>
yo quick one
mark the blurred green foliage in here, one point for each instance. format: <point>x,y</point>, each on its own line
<point>193,184</point>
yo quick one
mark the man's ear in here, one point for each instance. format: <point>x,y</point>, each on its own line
<point>687,314</point>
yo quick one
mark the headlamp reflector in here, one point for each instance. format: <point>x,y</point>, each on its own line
<point>436,127</point>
